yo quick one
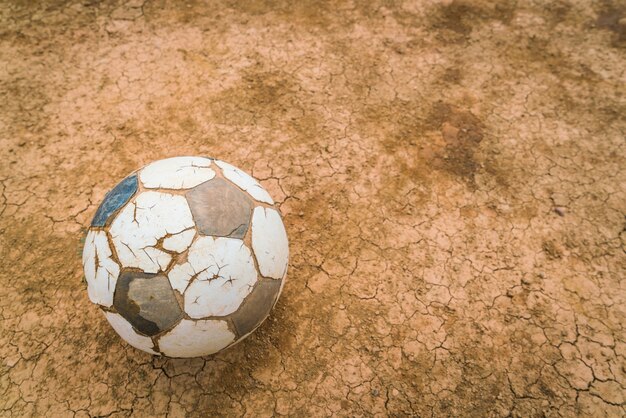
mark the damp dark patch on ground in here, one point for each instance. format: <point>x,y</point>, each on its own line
<point>452,75</point>
<point>462,133</point>
<point>436,138</point>
<point>306,12</point>
<point>557,11</point>
<point>257,93</point>
<point>455,21</point>
<point>613,18</point>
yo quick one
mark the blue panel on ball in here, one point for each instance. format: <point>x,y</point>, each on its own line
<point>115,199</point>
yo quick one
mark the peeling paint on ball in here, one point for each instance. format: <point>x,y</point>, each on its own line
<point>186,256</point>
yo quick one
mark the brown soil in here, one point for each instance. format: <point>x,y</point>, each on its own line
<point>451,174</point>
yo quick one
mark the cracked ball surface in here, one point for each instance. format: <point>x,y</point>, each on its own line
<point>178,274</point>
<point>450,174</point>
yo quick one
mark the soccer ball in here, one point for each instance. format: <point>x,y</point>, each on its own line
<point>186,256</point>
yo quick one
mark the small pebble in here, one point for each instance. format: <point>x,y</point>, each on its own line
<point>375,392</point>
<point>560,210</point>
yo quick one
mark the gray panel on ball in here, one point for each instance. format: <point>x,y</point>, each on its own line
<point>220,209</point>
<point>147,301</point>
<point>256,307</point>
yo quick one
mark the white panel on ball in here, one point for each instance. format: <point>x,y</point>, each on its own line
<point>196,338</point>
<point>177,173</point>
<point>269,242</point>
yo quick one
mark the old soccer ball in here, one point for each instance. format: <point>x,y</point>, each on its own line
<point>186,256</point>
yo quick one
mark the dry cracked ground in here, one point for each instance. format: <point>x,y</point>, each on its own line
<point>451,174</point>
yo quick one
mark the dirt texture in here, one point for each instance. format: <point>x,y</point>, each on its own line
<point>451,174</point>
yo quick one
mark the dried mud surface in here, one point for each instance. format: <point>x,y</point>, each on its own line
<point>451,176</point>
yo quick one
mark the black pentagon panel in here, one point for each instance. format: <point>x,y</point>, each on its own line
<point>220,209</point>
<point>147,301</point>
<point>115,199</point>
<point>256,307</point>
